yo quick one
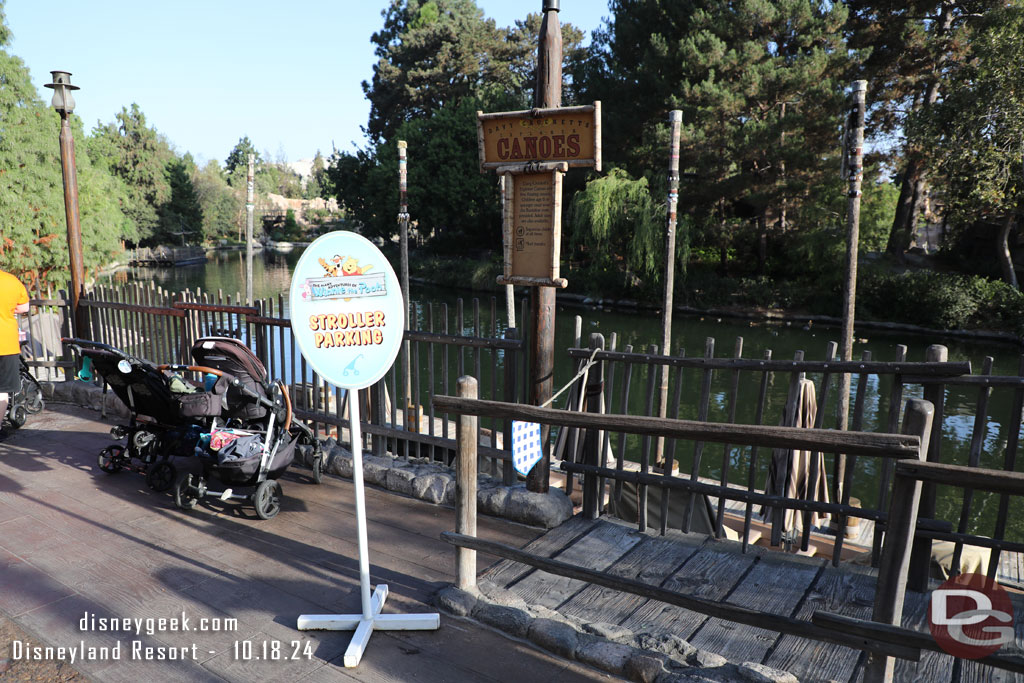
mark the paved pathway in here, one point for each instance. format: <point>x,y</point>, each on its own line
<point>76,541</point>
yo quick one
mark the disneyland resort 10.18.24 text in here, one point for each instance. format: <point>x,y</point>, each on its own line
<point>142,648</point>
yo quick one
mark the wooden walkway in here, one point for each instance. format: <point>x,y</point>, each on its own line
<point>74,540</point>
<point>704,567</point>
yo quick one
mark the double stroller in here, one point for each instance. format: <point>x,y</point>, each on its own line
<point>171,417</point>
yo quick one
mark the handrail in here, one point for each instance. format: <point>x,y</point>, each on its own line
<point>825,440</point>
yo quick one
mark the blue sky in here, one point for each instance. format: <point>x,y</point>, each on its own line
<point>207,72</point>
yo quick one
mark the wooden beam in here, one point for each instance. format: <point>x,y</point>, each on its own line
<point>825,440</point>
<point>996,481</point>
<point>865,628</point>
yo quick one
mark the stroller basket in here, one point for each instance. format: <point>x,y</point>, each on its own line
<point>245,470</point>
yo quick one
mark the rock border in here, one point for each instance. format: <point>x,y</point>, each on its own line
<point>419,478</point>
<point>639,657</point>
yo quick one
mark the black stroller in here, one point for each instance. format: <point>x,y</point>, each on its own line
<point>167,414</point>
<point>26,401</point>
<point>257,414</point>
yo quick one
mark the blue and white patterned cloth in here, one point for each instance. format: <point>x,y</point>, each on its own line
<point>526,450</point>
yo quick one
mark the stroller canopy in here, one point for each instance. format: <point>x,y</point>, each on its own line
<point>230,356</point>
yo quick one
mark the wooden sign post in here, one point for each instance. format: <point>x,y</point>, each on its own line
<point>533,149</point>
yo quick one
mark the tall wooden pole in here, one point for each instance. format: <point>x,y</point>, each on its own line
<point>403,241</point>
<point>675,118</point>
<point>855,174</point>
<point>547,94</point>
<point>250,193</point>
<point>76,260</point>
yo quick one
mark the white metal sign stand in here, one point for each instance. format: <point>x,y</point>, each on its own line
<point>306,301</point>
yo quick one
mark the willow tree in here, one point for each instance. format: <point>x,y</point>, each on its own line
<point>617,229</point>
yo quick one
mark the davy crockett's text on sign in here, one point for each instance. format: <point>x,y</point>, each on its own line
<point>569,134</point>
<point>532,217</point>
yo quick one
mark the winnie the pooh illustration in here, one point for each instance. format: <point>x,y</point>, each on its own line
<point>350,266</point>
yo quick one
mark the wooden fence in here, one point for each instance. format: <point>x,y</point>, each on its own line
<point>882,636</point>
<point>446,342</point>
<point>619,378</point>
<point>159,325</point>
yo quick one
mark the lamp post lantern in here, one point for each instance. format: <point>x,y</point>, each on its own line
<point>64,103</point>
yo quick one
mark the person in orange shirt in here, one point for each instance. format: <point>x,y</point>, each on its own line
<point>13,300</point>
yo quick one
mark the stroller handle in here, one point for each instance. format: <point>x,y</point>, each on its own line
<point>76,345</point>
<point>234,382</point>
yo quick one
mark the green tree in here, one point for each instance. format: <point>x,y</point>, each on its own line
<point>135,153</point>
<point>33,242</point>
<point>451,201</point>
<point>238,157</point>
<point>975,133</point>
<point>315,183</point>
<point>182,214</point>
<point>908,47</point>
<point>759,86</point>
<point>615,217</point>
<point>223,206</point>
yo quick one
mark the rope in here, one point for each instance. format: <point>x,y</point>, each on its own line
<point>583,371</point>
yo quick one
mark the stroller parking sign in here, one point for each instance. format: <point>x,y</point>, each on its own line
<point>348,318</point>
<point>346,310</point>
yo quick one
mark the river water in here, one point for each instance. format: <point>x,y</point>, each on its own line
<point>225,271</point>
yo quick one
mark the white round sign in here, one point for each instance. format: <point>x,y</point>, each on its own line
<point>347,310</point>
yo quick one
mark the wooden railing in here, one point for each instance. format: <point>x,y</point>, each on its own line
<point>159,325</point>
<point>911,445</point>
<point>614,377</point>
<point>884,625</point>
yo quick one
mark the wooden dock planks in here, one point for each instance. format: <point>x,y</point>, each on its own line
<point>849,591</point>
<point>775,585</point>
<point>711,573</point>
<point>700,566</point>
<point>652,561</point>
<point>598,549</point>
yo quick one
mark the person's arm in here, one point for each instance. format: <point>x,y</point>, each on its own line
<point>21,308</point>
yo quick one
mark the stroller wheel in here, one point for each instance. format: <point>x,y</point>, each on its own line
<point>267,499</point>
<point>32,394</point>
<point>306,440</point>
<point>160,476</point>
<point>318,466</point>
<point>184,492</point>
<point>18,416</point>
<point>111,459</point>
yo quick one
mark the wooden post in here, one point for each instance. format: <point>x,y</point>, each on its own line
<point>675,118</point>
<point>547,94</point>
<point>922,554</point>
<point>465,486</point>
<point>508,473</point>
<point>403,243</point>
<point>853,171</point>
<point>892,573</point>
<point>594,438</point>
<point>250,191</point>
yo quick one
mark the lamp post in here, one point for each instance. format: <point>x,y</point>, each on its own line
<point>64,104</point>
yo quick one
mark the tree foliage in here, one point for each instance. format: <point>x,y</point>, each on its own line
<point>134,152</point>
<point>33,236</point>
<point>615,217</point>
<point>975,134</point>
<point>759,85</point>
